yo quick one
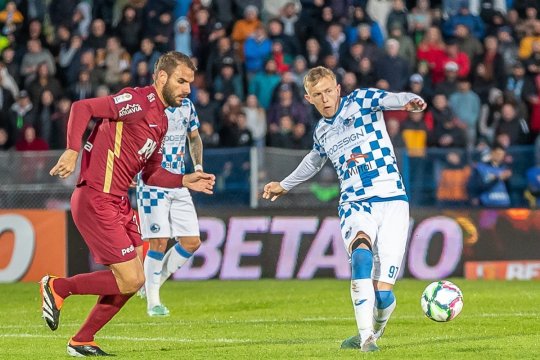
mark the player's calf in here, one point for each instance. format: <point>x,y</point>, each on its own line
<point>362,291</point>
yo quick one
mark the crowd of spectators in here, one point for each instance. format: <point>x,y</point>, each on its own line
<point>476,62</point>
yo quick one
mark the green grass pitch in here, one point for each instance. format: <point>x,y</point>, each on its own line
<point>271,319</point>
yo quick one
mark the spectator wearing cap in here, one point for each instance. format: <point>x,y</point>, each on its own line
<point>245,27</point>
<point>417,86</point>
<point>227,82</point>
<point>21,113</point>
<point>182,36</point>
<point>454,54</point>
<point>392,67</point>
<point>262,85</point>
<point>507,48</point>
<point>147,53</point>
<point>257,48</point>
<point>464,16</point>
<point>466,105</point>
<point>407,50</point>
<point>129,29</point>
<point>449,85</point>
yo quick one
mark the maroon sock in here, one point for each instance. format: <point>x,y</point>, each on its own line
<point>105,309</point>
<point>95,283</point>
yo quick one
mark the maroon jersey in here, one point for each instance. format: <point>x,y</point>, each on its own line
<point>130,128</point>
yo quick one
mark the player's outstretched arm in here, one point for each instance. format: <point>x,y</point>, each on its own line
<point>403,101</point>
<point>199,181</point>
<point>66,164</point>
<point>273,190</point>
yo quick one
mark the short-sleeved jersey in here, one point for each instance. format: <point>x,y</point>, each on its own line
<point>119,147</point>
<point>357,143</point>
<point>182,120</point>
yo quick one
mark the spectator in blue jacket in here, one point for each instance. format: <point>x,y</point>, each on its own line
<point>257,49</point>
<point>464,17</point>
<point>488,185</point>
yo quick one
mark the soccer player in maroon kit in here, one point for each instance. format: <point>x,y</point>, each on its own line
<point>131,127</point>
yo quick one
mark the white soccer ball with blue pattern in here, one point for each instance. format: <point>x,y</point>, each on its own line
<point>442,301</point>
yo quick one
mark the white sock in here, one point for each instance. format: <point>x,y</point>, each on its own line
<point>173,260</point>
<point>385,305</point>
<point>363,299</point>
<point>152,271</point>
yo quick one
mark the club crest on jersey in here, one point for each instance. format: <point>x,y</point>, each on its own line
<point>348,121</point>
<point>122,98</point>
<point>129,109</point>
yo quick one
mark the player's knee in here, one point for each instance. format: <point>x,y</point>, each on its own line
<point>384,298</point>
<point>361,263</point>
<point>191,243</point>
<point>361,241</point>
<point>132,283</point>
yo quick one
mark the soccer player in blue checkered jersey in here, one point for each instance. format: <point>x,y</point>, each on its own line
<point>169,213</point>
<point>373,206</point>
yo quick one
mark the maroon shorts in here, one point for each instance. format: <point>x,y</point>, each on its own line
<point>107,223</point>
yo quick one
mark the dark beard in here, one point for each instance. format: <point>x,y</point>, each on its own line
<point>169,97</point>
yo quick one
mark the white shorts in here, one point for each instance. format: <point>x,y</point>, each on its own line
<point>166,213</point>
<point>387,225</point>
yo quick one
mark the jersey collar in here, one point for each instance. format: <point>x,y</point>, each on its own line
<point>331,120</point>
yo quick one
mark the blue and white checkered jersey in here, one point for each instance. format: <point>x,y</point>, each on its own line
<point>182,120</point>
<point>357,143</point>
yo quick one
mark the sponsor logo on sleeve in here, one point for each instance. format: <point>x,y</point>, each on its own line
<point>122,98</point>
<point>129,109</point>
<point>151,97</point>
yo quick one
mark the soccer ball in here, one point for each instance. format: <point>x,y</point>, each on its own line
<point>442,301</point>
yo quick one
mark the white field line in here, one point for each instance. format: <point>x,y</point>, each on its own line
<point>261,321</point>
<point>146,339</point>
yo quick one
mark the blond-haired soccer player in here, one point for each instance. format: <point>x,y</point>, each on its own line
<point>373,206</point>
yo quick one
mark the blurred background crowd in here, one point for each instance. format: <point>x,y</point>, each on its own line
<point>476,62</point>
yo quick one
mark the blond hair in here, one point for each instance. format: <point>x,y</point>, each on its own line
<point>316,74</point>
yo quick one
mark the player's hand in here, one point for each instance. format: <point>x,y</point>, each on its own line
<point>273,190</point>
<point>415,105</point>
<point>199,181</point>
<point>66,164</point>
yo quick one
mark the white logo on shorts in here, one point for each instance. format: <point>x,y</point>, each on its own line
<point>128,250</point>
